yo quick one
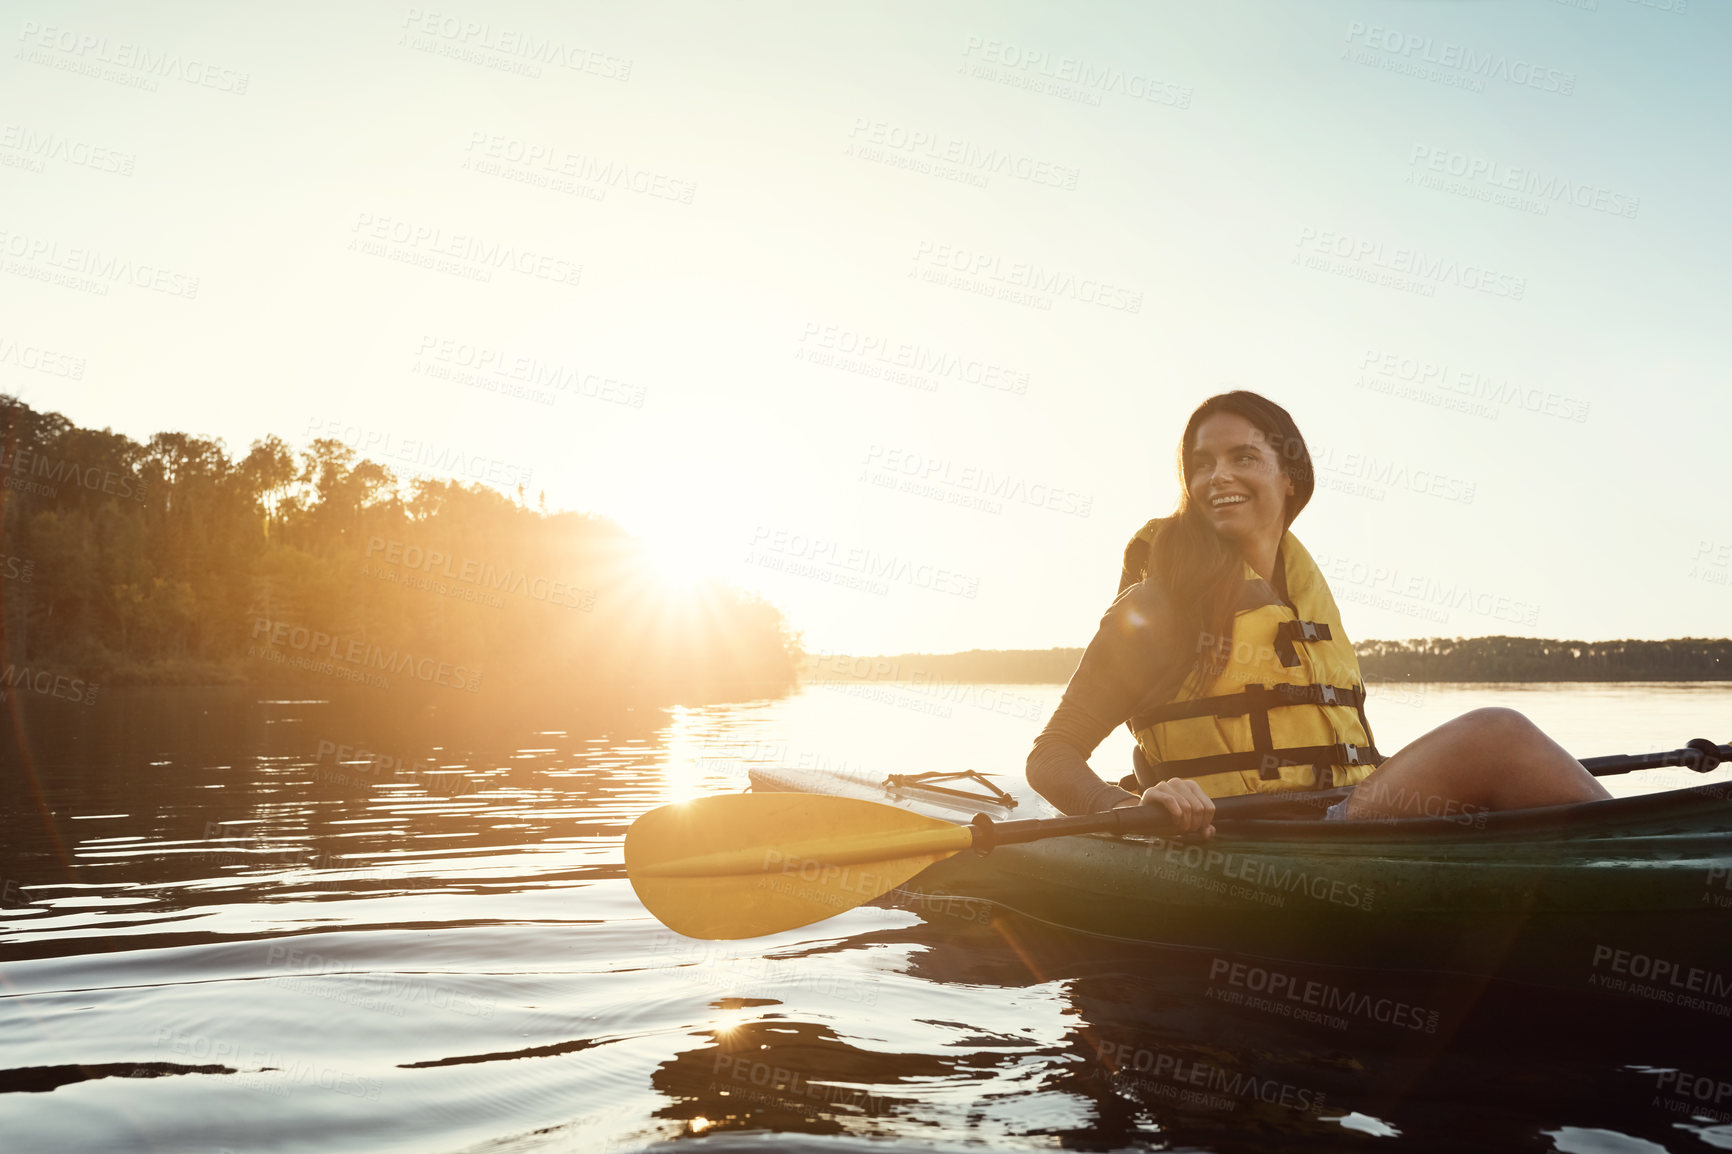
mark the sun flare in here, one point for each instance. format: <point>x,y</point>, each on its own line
<point>670,567</point>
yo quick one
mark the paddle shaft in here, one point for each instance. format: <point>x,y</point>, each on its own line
<point>1700,755</point>
<point>989,834</point>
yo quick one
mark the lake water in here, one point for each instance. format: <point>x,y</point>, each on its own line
<point>228,931</point>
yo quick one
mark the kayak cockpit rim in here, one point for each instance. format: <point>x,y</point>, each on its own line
<point>1693,806</point>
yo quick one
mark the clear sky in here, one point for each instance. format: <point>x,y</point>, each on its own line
<point>895,311</point>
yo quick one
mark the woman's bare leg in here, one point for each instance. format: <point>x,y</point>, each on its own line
<point>1485,759</point>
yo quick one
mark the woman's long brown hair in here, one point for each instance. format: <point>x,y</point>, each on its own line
<point>1202,572</point>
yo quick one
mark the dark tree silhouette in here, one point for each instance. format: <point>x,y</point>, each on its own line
<point>169,562</point>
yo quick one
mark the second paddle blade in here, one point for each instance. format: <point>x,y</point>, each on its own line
<point>745,864</point>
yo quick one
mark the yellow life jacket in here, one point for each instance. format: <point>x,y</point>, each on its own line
<point>1288,710</point>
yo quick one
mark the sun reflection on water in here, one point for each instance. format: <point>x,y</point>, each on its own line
<point>680,773</point>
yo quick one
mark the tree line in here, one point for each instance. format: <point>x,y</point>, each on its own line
<point>173,562</point>
<point>1429,659</point>
<point>1542,659</point>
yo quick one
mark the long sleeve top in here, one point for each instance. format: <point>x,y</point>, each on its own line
<point>1136,660</point>
<point>1134,655</point>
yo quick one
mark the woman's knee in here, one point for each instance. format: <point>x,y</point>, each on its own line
<point>1498,722</point>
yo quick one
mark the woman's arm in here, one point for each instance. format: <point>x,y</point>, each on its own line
<point>1132,654</point>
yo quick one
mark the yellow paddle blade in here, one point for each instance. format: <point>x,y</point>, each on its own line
<point>739,865</point>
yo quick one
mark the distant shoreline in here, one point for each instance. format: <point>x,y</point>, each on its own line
<point>1461,659</point>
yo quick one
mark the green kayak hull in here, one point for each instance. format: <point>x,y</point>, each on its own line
<point>1630,896</point>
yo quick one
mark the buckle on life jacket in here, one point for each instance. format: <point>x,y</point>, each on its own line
<point>1351,752</point>
<point>1328,695</point>
<point>1291,633</point>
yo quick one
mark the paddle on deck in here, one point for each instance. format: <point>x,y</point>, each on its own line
<point>738,865</point>
<point>741,865</point>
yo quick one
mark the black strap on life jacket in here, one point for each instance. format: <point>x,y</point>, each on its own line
<point>1255,701</point>
<point>1268,763</point>
<point>1291,633</point>
<point>1365,722</point>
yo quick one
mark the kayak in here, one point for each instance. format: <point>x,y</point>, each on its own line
<point>1630,896</point>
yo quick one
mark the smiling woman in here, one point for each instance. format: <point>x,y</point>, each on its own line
<point>1226,656</point>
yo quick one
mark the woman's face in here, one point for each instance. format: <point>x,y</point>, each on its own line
<point>1234,476</point>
